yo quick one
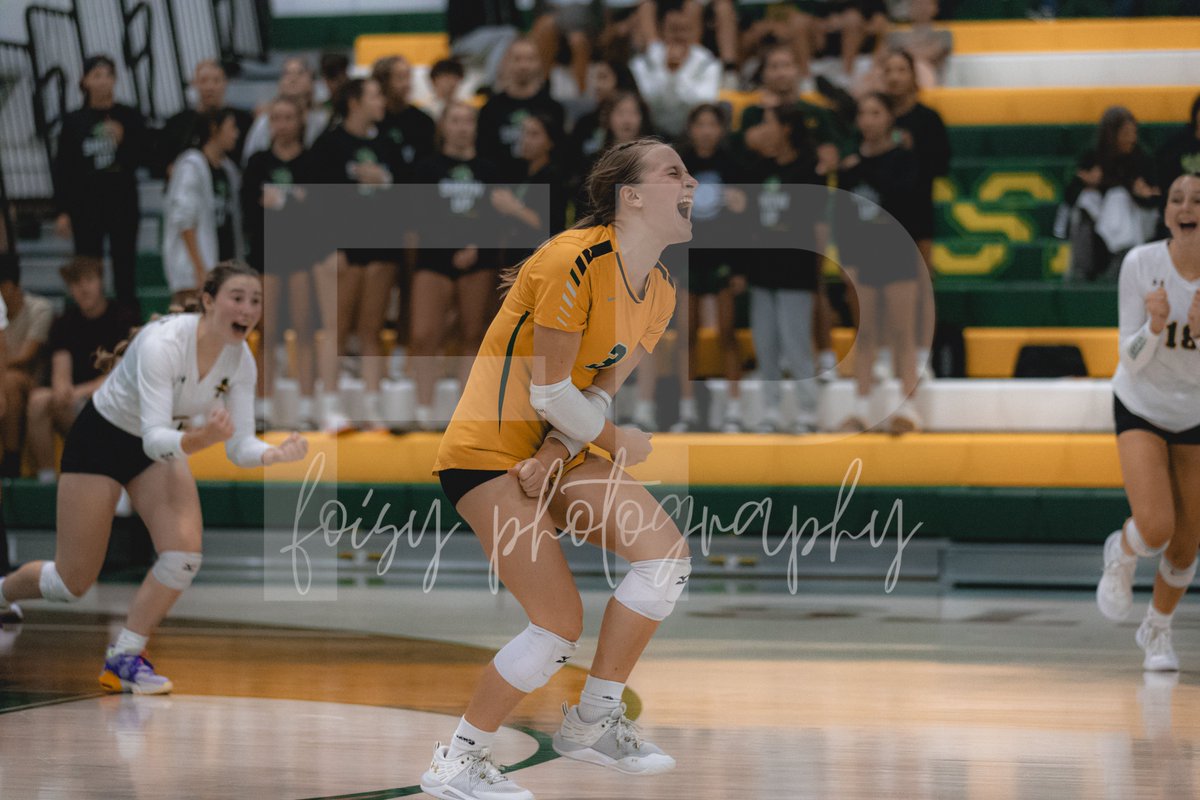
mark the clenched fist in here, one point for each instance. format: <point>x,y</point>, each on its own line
<point>293,448</point>
<point>1159,308</point>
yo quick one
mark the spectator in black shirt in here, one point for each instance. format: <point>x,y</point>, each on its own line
<point>467,276</point>
<point>623,118</point>
<point>876,212</point>
<point>92,323</point>
<point>525,90</point>
<point>409,129</point>
<point>784,271</point>
<point>921,130</point>
<point>355,288</point>
<point>270,190</point>
<point>182,131</point>
<point>587,135</point>
<point>712,267</point>
<point>541,143</point>
<point>95,182</point>
<point>335,71</point>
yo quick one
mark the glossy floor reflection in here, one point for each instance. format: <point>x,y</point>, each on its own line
<point>839,692</point>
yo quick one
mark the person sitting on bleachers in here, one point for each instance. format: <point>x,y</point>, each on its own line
<point>92,323</point>
<point>1112,200</point>
<point>181,131</point>
<point>675,73</point>
<point>29,318</point>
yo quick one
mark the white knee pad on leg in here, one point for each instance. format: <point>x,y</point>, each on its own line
<point>652,587</point>
<point>532,658</point>
<point>176,569</point>
<point>1174,576</point>
<point>1138,545</point>
<point>52,587</point>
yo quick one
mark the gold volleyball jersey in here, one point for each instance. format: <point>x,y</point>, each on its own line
<point>575,282</point>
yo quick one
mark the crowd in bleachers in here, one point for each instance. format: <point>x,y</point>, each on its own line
<point>587,76</point>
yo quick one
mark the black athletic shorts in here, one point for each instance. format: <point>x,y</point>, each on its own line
<point>361,257</point>
<point>1128,421</point>
<point>97,447</point>
<point>441,262</point>
<point>457,482</point>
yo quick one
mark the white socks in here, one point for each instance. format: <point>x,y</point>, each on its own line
<point>687,409</point>
<point>129,642</point>
<point>467,738</point>
<point>1157,618</point>
<point>599,698</point>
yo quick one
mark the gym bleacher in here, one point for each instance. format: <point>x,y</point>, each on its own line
<point>1002,457</point>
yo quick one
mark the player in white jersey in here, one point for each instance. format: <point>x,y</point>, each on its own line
<point>134,433</point>
<point>1157,411</point>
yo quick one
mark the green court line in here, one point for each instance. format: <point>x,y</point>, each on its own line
<point>7,705</point>
<point>544,753</point>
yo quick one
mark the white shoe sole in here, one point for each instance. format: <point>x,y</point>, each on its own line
<point>450,793</point>
<point>651,765</point>
<point>1119,611</point>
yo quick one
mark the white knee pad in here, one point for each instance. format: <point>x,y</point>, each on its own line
<point>532,658</point>
<point>52,586</point>
<point>1174,576</point>
<point>652,587</point>
<point>1137,544</point>
<point>176,569</point>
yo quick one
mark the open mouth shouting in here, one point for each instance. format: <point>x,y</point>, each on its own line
<point>1187,227</point>
<point>685,208</point>
<point>240,329</point>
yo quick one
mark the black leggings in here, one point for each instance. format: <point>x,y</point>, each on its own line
<point>116,216</point>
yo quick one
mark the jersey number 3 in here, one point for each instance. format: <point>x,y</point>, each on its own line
<point>618,352</point>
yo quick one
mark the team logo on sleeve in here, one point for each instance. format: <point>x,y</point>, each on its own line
<point>618,352</point>
<point>222,388</point>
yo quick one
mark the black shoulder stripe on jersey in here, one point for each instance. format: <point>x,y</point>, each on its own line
<point>512,343</point>
<point>659,266</point>
<point>589,255</point>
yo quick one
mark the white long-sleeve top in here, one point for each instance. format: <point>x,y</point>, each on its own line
<point>155,391</point>
<point>189,204</point>
<point>1158,377</point>
<point>671,95</point>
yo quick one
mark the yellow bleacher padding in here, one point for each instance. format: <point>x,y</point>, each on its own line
<point>992,352</point>
<point>418,48</point>
<point>1034,460</point>
<point>984,261</point>
<point>1080,35</point>
<point>971,219</point>
<point>1061,260</point>
<point>1057,105</point>
<point>999,184</point>
<point>254,341</point>
<point>944,191</point>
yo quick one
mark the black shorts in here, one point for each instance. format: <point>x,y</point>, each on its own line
<point>457,482</point>
<point>1126,420</point>
<point>97,447</point>
<point>361,257</point>
<point>440,261</point>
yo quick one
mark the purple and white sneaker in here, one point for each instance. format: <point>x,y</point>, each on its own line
<point>132,673</point>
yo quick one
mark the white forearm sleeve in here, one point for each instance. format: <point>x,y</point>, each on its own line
<point>598,398</point>
<point>1138,350</point>
<point>565,408</point>
<point>163,444</point>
